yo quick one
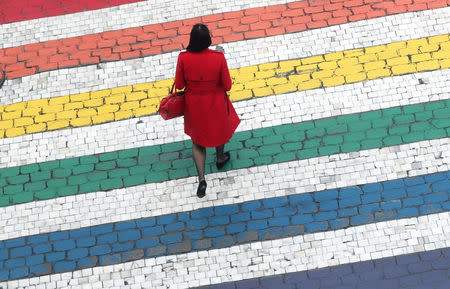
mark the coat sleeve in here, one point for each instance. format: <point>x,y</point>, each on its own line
<point>225,75</point>
<point>179,75</point>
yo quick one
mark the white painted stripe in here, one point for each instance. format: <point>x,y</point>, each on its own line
<point>118,17</point>
<point>255,114</point>
<point>258,259</point>
<point>237,186</point>
<point>239,54</point>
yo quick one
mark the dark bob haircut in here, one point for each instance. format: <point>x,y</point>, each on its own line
<point>200,38</point>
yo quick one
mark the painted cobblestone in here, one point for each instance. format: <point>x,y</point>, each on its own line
<point>224,226</point>
<point>85,210</point>
<point>101,20</point>
<point>226,27</point>
<point>327,70</point>
<point>248,261</point>
<point>20,10</point>
<point>227,188</point>
<point>419,271</point>
<point>346,133</point>
<point>293,107</point>
<point>314,42</point>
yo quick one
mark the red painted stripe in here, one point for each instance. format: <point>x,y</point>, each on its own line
<point>225,27</point>
<point>21,10</point>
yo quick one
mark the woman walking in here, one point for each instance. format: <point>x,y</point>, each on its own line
<point>209,117</point>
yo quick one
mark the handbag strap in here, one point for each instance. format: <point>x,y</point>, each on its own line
<point>226,100</point>
<point>173,86</point>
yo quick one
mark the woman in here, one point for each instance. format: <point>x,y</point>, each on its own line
<point>209,117</point>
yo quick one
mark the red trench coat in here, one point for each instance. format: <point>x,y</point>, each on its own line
<point>209,117</point>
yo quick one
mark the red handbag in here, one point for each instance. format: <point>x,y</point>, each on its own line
<point>172,105</point>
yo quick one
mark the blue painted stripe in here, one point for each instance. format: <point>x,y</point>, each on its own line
<point>418,270</point>
<point>223,226</point>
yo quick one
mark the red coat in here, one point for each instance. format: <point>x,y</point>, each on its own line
<point>209,117</point>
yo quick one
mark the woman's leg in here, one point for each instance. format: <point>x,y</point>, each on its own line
<point>219,153</point>
<point>199,154</point>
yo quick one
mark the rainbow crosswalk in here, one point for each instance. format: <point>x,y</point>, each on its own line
<point>340,168</point>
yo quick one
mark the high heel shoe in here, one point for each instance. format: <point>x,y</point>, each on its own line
<point>220,165</point>
<point>201,190</point>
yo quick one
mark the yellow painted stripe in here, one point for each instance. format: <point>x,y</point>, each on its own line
<point>429,53</point>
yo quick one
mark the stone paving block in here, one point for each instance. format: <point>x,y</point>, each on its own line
<point>350,280</point>
<point>436,197</point>
<point>122,247</point>
<point>42,248</point>
<point>133,255</point>
<point>330,282</point>
<point>417,190</point>
<point>242,217</point>
<point>279,222</point>
<point>388,284</point>
<point>107,238</point>
<point>441,264</point>
<point>197,224</point>
<point>284,211</point>
<point>3,254</point>
<point>166,219</point>
<point>316,226</point>
<point>441,186</point>
<point>246,237</point>
<point>223,242</point>
<point>393,194</point>
<point>271,282</point>
<point>312,143</point>
<point>324,216</point>
<point>110,259</point>
<point>63,245</point>
<point>431,208</point>
<point>174,227</point>
<point>54,257</point>
<point>313,284</point>
<point>430,256</point>
<point>370,208</point>
<point>202,244</point>
<point>85,242</point>
<point>419,267</point>
<point>14,263</point>
<point>202,213</point>
<point>101,229</point>
<point>339,223</point>
<point>235,228</point>
<point>41,269</point>
<point>431,178</point>
<point>347,212</point>
<point>99,250</point>
<point>326,195</point>
<point>56,236</point>
<point>434,276</point>
<point>182,247</point>
<point>19,273</point>
<point>226,210</point>
<point>349,202</point>
<point>274,202</point>
<point>261,214</point>
<point>302,219</point>
<point>77,253</point>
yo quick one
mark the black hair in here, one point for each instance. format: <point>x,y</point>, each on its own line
<point>200,38</point>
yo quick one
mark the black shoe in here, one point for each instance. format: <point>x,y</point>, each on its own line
<point>220,165</point>
<point>201,191</point>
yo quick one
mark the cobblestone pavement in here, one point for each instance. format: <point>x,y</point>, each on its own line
<point>339,174</point>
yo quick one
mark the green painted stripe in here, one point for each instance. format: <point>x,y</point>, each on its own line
<point>283,143</point>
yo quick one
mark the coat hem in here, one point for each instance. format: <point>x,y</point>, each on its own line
<point>211,145</point>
